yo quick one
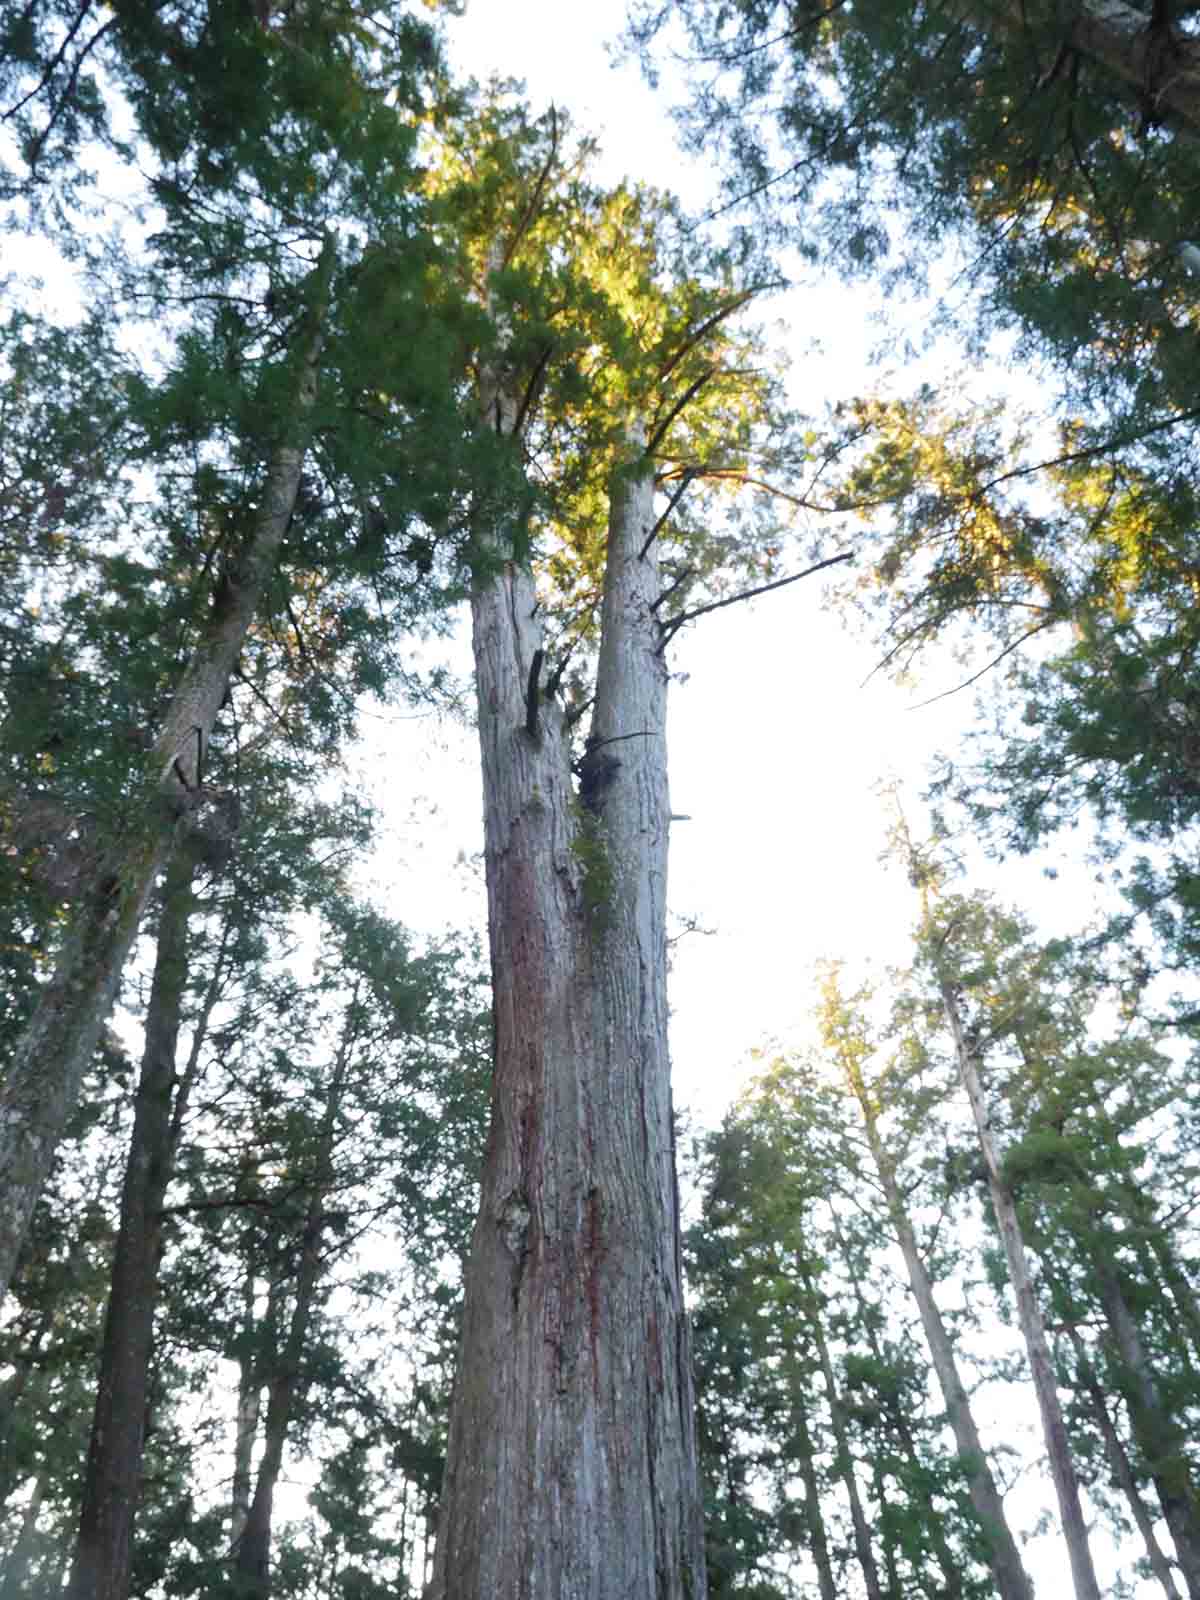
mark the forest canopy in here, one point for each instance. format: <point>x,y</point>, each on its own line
<point>344,1252</point>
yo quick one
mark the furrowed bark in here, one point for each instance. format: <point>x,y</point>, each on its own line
<point>103,1548</point>
<point>571,1464</point>
<point>1008,1572</point>
<point>42,1084</point>
<point>1054,1431</point>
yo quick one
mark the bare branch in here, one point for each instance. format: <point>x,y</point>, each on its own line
<point>672,627</point>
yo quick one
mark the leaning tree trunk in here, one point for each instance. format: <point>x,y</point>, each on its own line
<point>1054,1430</point>
<point>571,1462</point>
<point>1004,1559</point>
<point>103,1549</point>
<point>41,1086</point>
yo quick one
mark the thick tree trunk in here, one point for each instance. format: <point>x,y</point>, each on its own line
<point>103,1549</point>
<point>571,1465</point>
<point>41,1086</point>
<point>1122,1470</point>
<point>1004,1559</point>
<point>1160,1441</point>
<point>1054,1431</point>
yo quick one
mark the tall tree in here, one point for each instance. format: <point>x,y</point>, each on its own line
<point>939,935</point>
<point>844,1034</point>
<point>255,294</point>
<point>571,1458</point>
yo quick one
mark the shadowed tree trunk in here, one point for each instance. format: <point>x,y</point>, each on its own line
<point>1160,1441</point>
<point>845,1459</point>
<point>286,1381</point>
<point>112,1481</point>
<point>1122,1469</point>
<point>41,1086</point>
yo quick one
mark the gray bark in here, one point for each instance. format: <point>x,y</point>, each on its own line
<point>571,1465</point>
<point>1054,1431</point>
<point>41,1085</point>
<point>1004,1559</point>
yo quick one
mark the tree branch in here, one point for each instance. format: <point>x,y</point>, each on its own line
<point>672,627</point>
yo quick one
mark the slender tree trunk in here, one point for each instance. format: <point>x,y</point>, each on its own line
<point>1004,1559</point>
<point>1054,1431</point>
<point>571,1462</point>
<point>249,1406</point>
<point>814,1520</point>
<point>103,1549</point>
<point>41,1086</point>
<point>1160,1441</point>
<point>845,1460</point>
<point>1122,1470</point>
<point>893,1412</point>
<point>19,1559</point>
<point>284,1386</point>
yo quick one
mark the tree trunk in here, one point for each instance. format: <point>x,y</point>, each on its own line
<point>896,1418</point>
<point>1159,64</point>
<point>845,1461</point>
<point>1122,1470</point>
<point>42,1084</point>
<point>1004,1559</point>
<point>571,1464</point>
<point>1160,1441</point>
<point>249,1406</point>
<point>103,1549</point>
<point>814,1520</point>
<point>1054,1431</point>
<point>285,1383</point>
<point>15,1580</point>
